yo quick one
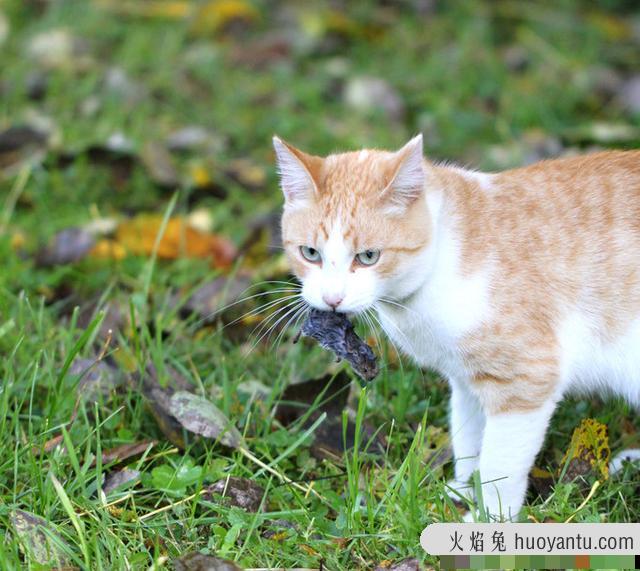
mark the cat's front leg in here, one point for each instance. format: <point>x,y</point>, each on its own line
<point>466,427</point>
<point>510,443</point>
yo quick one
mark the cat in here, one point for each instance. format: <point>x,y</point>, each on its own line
<point>517,287</point>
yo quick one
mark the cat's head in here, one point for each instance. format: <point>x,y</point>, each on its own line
<point>355,225</point>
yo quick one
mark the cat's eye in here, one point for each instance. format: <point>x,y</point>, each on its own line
<point>368,257</point>
<point>310,254</point>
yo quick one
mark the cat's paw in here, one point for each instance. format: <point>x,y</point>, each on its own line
<point>460,491</point>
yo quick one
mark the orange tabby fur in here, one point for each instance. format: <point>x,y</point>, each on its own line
<point>547,226</point>
<point>557,242</point>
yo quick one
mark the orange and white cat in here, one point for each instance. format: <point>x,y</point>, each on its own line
<point>517,287</point>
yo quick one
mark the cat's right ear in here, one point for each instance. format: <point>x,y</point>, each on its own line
<point>298,173</point>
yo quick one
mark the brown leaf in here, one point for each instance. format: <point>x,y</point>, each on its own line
<point>48,446</point>
<point>240,492</point>
<point>200,562</point>
<point>277,529</point>
<point>264,237</point>
<point>263,52</point>
<point>125,451</point>
<point>118,479</point>
<point>114,157</point>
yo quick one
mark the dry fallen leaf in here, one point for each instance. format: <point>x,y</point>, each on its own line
<point>217,16</point>
<point>138,236</point>
<point>43,547</point>
<point>125,451</point>
<point>201,416</point>
<point>247,173</point>
<point>588,452</point>
<point>240,492</point>
<point>68,246</point>
<point>119,479</point>
<point>158,398</point>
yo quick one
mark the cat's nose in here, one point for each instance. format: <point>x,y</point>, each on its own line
<point>332,299</point>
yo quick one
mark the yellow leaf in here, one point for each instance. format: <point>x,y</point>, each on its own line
<point>199,175</point>
<point>280,536</point>
<point>590,446</point>
<point>18,240</point>
<point>169,9</point>
<point>309,550</point>
<point>216,15</point>
<point>108,250</point>
<point>614,28</point>
<point>139,235</point>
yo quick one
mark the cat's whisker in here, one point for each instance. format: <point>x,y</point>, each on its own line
<point>217,312</point>
<point>265,323</point>
<point>276,323</point>
<point>393,344</point>
<point>290,301</point>
<point>295,318</point>
<point>400,305</point>
<point>257,311</point>
<point>372,327</point>
<point>289,283</point>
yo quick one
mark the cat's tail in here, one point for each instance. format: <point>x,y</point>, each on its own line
<point>629,455</point>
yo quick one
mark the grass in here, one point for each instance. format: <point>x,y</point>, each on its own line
<point>488,84</point>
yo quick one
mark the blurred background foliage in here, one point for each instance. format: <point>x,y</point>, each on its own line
<point>121,120</point>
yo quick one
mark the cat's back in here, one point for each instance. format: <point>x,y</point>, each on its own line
<point>561,239</point>
<point>595,179</point>
<point>561,209</point>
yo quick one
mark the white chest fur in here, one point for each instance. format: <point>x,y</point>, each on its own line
<point>442,311</point>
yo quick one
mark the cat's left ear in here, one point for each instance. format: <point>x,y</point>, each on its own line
<point>407,177</point>
<point>298,173</point>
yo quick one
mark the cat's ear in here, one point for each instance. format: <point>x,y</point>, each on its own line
<point>298,172</point>
<point>407,177</point>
